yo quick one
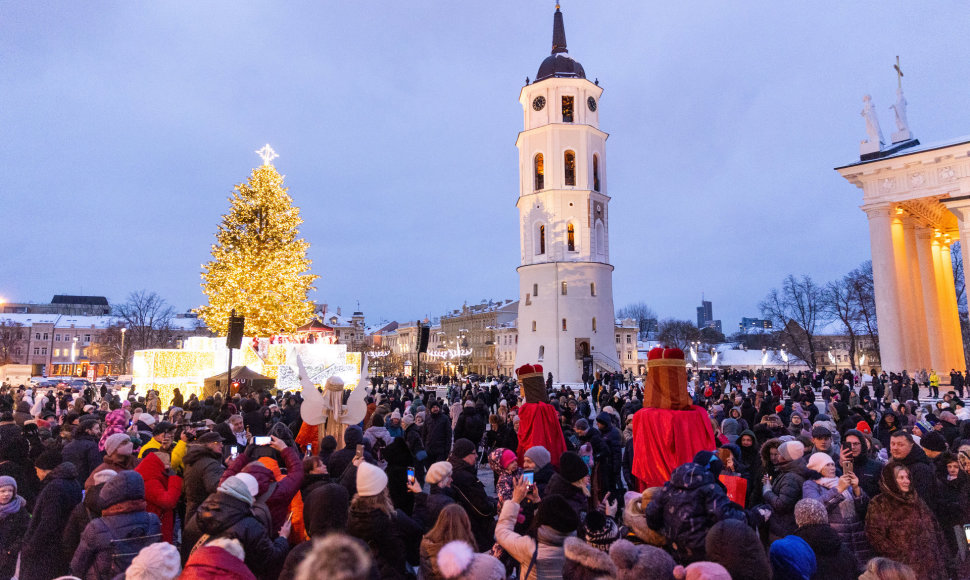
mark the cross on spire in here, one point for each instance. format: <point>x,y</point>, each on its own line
<point>899,73</point>
<point>267,154</point>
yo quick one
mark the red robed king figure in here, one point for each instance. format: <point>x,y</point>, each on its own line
<point>538,420</point>
<point>669,430</point>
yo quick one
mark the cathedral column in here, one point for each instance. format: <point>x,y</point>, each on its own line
<point>914,335</point>
<point>884,276</point>
<point>931,302</point>
<point>950,313</point>
<point>960,206</point>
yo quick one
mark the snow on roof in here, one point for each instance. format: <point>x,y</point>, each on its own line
<point>67,321</point>
<point>917,149</point>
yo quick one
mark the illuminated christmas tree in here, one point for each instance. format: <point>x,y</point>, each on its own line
<point>259,266</point>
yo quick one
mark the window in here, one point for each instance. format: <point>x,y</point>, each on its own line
<point>533,326</point>
<point>542,240</point>
<point>46,336</point>
<point>571,238</point>
<point>528,299</point>
<point>594,324</point>
<point>596,172</point>
<point>569,167</point>
<point>542,352</point>
<point>592,288</point>
<point>535,289</point>
<point>57,338</point>
<point>36,350</point>
<point>567,109</point>
<point>539,172</point>
<point>43,350</point>
<point>37,336</point>
<point>564,325</point>
<point>628,339</point>
<point>57,352</point>
<point>87,338</point>
<point>629,355</point>
<point>563,288</point>
<point>617,339</point>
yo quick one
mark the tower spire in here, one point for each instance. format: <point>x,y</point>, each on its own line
<point>558,33</point>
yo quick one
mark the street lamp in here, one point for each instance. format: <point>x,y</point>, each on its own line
<point>123,361</point>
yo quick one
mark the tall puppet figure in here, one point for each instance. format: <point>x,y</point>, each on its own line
<point>538,420</point>
<point>668,431</point>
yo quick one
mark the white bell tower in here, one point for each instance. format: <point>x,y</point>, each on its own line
<point>566,317</point>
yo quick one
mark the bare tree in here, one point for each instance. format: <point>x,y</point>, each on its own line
<point>798,309</point>
<point>840,304</point>
<point>147,318</point>
<point>678,333</point>
<point>640,312</point>
<point>864,296</point>
<point>13,336</point>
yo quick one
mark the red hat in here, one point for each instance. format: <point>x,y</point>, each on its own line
<point>779,408</point>
<point>864,427</point>
<point>525,371</point>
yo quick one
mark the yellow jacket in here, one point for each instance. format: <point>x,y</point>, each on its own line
<point>177,453</point>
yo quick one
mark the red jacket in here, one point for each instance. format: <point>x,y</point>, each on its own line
<point>213,563</point>
<point>162,492</point>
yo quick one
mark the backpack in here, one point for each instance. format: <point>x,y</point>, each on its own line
<point>124,550</point>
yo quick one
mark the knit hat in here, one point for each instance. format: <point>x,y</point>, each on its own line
<point>810,511</point>
<point>791,450</point>
<point>736,546</point>
<point>572,467</point>
<point>863,427</point>
<point>922,428</point>
<point>371,480</point>
<point>103,476</point>
<point>710,461</point>
<point>252,484</point>
<point>539,455</point>
<point>7,481</point>
<point>235,487</point>
<point>49,459</point>
<point>554,511</point>
<point>604,418</point>
<point>158,561</point>
<point>438,471</point>
<point>396,414</point>
<point>640,562</point>
<point>407,420</point>
<point>457,560</point>
<point>146,419</point>
<point>117,442</point>
<point>581,425</point>
<point>508,458</point>
<point>463,448</point>
<point>469,404</point>
<point>934,441</point>
<point>819,460</point>
<point>599,531</point>
<point>792,558</point>
<point>584,561</point>
<point>703,571</point>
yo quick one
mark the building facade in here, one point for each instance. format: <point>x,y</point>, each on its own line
<point>565,313</point>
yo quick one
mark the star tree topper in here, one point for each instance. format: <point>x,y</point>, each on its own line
<point>267,154</point>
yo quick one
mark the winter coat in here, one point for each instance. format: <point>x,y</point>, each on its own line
<point>470,494</point>
<point>866,468</point>
<point>412,435</point>
<point>846,515</point>
<point>223,516</point>
<point>117,463</point>
<point>123,516</point>
<point>39,558</point>
<point>162,492</point>
<point>542,477</point>
<point>427,506</point>
<point>213,563</point>
<point>437,436</point>
<point>901,527</point>
<point>285,489</point>
<point>15,462</point>
<point>833,559</point>
<point>81,516</point>
<point>470,426</point>
<point>84,454</point>
<point>922,473</point>
<point>785,492</point>
<point>385,536</point>
<point>324,511</point>
<point>549,550</point>
<point>339,461</point>
<point>573,495</point>
<point>12,528</point>
<point>686,509</point>
<point>203,470</point>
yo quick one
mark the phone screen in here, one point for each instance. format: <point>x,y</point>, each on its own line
<point>262,440</point>
<point>966,532</point>
<point>309,449</point>
<point>360,451</point>
<point>234,451</point>
<point>410,475</point>
<point>530,477</point>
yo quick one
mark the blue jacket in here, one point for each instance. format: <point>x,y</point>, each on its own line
<point>687,507</point>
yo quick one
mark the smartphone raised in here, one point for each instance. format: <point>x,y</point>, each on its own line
<point>966,532</point>
<point>530,477</point>
<point>847,467</point>
<point>309,449</point>
<point>360,452</point>
<point>233,451</point>
<point>262,440</point>
<point>410,475</point>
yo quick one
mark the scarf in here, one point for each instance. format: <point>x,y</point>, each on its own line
<point>827,482</point>
<point>125,507</point>
<point>12,507</point>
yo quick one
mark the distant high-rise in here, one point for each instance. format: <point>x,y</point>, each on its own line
<point>705,316</point>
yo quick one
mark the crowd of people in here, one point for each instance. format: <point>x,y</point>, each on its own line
<point>814,476</point>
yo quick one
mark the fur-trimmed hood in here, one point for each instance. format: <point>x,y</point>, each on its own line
<point>585,562</point>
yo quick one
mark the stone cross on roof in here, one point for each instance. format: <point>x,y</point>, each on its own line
<point>899,73</point>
